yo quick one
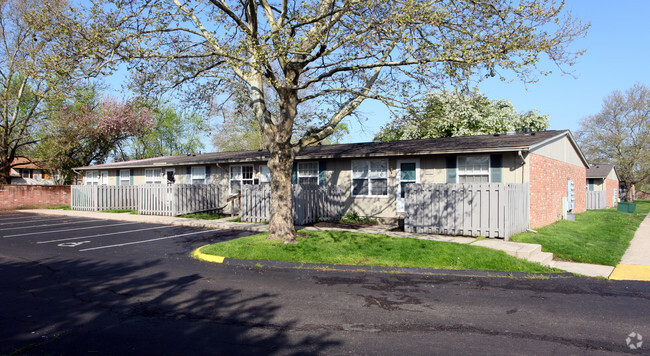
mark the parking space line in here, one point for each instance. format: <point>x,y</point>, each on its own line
<point>99,235</point>
<point>18,217</point>
<point>75,229</point>
<point>58,224</point>
<point>32,220</point>
<point>144,241</point>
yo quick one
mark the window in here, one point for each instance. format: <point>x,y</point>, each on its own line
<point>370,178</point>
<point>240,175</point>
<point>474,169</point>
<point>198,175</point>
<point>308,173</point>
<point>125,177</point>
<point>26,173</point>
<point>153,176</point>
<point>92,178</point>
<point>103,178</point>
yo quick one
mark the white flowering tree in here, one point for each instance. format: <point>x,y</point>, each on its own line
<point>451,113</point>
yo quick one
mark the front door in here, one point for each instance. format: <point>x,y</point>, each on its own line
<point>170,173</point>
<point>408,172</point>
<point>104,178</point>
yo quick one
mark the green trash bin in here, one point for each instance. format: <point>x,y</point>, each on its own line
<point>626,208</point>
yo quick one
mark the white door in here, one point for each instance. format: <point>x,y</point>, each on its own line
<point>104,178</point>
<point>408,172</point>
<point>265,174</point>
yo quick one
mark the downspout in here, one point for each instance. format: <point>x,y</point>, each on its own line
<point>523,162</point>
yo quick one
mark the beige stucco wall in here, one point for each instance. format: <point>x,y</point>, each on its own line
<point>559,149</point>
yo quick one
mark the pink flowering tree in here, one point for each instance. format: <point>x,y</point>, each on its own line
<point>89,131</point>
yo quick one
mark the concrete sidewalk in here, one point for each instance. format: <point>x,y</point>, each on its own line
<point>635,264</point>
<point>530,252</point>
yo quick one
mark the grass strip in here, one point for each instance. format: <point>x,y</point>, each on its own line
<point>596,236</point>
<point>119,211</point>
<point>350,248</point>
<point>203,216</point>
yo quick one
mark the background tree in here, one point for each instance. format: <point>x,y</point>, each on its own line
<point>329,55</point>
<point>620,134</point>
<point>86,130</point>
<point>173,132</point>
<point>237,129</point>
<point>35,65</point>
<point>451,113</point>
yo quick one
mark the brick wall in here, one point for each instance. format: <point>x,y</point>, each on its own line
<point>610,185</point>
<point>33,196</point>
<point>548,184</point>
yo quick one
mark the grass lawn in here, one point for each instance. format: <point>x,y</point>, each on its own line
<point>349,248</point>
<point>597,236</point>
<point>131,211</point>
<point>203,216</point>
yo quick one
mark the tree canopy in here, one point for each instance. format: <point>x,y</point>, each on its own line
<point>86,129</point>
<point>36,65</point>
<point>620,134</point>
<point>172,132</point>
<point>330,55</point>
<point>451,113</point>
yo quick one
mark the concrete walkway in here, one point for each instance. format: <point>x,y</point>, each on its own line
<point>635,264</point>
<point>530,252</point>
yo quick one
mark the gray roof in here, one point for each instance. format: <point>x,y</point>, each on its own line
<point>446,145</point>
<point>599,170</point>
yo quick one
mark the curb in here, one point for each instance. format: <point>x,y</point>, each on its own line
<point>208,258</point>
<point>370,269</point>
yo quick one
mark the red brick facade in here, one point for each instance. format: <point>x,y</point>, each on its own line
<point>610,185</point>
<point>33,196</point>
<point>548,185</point>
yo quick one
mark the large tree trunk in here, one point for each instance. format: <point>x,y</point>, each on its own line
<point>281,223</point>
<point>278,137</point>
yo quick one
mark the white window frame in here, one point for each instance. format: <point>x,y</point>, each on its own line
<point>370,176</point>
<point>238,176</point>
<point>173,171</point>
<point>125,177</point>
<point>303,174</point>
<point>464,171</point>
<point>92,178</point>
<point>22,173</point>
<point>153,176</point>
<point>197,175</point>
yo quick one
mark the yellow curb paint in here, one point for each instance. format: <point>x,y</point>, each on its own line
<point>203,257</point>
<point>631,273</point>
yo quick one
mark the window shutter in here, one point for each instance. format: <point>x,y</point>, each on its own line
<point>207,174</point>
<point>322,173</point>
<point>451,169</point>
<point>188,175</point>
<point>117,176</point>
<point>130,176</point>
<point>496,162</point>
<point>294,174</point>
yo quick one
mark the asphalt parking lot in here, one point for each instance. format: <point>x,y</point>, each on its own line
<point>83,236</point>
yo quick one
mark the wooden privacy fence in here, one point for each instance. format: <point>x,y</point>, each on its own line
<point>148,199</point>
<point>596,199</point>
<point>311,203</point>
<point>471,209</point>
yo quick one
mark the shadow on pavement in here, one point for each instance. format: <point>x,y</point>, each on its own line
<point>81,307</point>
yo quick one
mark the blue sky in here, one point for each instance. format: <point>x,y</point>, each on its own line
<point>618,55</point>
